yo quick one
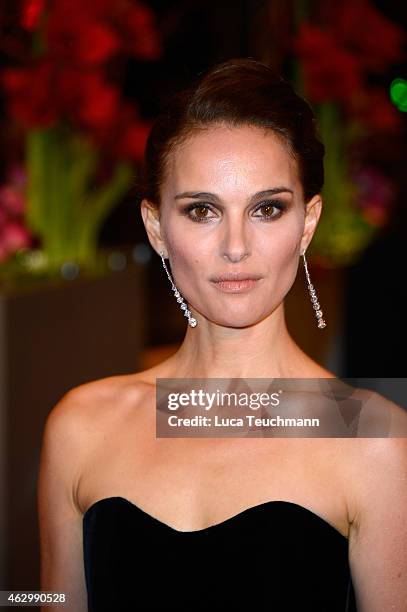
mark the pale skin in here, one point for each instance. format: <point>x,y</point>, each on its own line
<point>99,440</point>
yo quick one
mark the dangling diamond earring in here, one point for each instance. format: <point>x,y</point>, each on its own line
<point>314,299</point>
<point>192,322</point>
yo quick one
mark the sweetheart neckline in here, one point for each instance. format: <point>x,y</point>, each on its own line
<point>229,519</point>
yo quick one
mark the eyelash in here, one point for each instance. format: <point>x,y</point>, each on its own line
<point>274,203</point>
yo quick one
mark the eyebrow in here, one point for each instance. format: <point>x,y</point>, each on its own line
<point>213,196</point>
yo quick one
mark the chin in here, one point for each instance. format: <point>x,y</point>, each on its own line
<point>239,322</point>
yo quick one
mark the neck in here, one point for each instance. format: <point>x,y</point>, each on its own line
<point>263,350</point>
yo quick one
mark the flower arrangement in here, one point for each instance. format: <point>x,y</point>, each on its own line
<point>13,232</point>
<point>81,136</point>
<point>341,50</point>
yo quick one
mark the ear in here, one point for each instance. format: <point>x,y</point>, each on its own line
<point>312,214</point>
<point>151,218</point>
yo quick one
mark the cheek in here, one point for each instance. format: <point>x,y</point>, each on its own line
<point>281,245</point>
<point>192,251</point>
<point>185,257</point>
<point>280,252</point>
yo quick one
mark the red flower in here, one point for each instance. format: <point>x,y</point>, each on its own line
<point>375,40</point>
<point>373,108</point>
<point>94,31</point>
<point>98,100</point>
<point>71,76</point>
<point>125,137</point>
<point>139,33</point>
<point>12,200</point>
<point>29,90</point>
<point>32,12</point>
<point>133,141</point>
<point>76,39</point>
<point>331,72</point>
<point>13,234</point>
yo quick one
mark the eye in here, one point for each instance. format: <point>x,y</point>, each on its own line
<point>268,206</point>
<point>201,212</point>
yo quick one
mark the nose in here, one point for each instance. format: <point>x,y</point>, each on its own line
<point>235,241</point>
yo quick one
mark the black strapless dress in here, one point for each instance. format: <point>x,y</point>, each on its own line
<point>276,556</point>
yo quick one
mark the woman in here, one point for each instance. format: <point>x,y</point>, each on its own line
<point>131,521</point>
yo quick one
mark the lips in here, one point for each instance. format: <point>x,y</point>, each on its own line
<point>236,276</point>
<point>236,286</point>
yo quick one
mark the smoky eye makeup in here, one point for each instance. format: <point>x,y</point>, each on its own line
<point>265,211</point>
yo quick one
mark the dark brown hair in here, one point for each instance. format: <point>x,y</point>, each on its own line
<point>236,92</point>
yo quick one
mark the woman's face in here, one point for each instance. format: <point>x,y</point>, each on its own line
<point>232,203</point>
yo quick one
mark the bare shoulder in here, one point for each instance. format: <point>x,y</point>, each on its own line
<point>378,529</point>
<point>79,421</point>
<point>385,414</point>
<point>91,402</point>
<point>376,467</point>
<point>78,425</point>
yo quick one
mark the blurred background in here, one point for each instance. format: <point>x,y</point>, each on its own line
<point>82,294</point>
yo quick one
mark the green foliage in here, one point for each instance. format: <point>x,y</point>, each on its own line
<point>65,208</point>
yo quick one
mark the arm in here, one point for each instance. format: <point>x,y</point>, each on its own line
<point>60,519</point>
<point>378,536</point>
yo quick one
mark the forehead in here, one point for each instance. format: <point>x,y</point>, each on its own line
<point>230,158</point>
